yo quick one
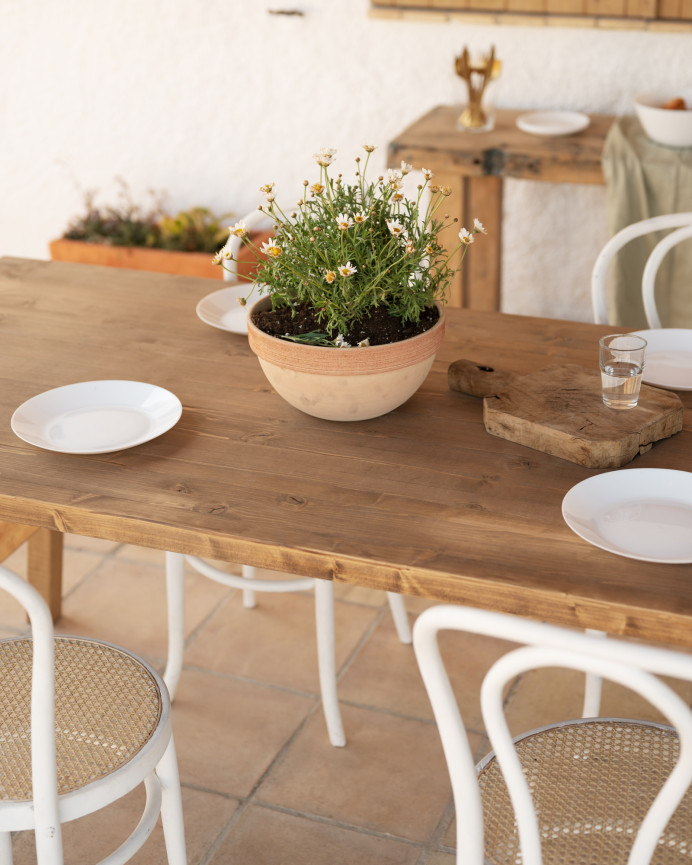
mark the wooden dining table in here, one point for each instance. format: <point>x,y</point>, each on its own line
<point>421,501</point>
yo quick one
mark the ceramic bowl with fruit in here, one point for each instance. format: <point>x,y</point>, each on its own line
<point>666,117</point>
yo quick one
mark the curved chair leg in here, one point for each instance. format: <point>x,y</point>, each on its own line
<point>5,848</point>
<point>593,685</point>
<point>172,807</point>
<point>249,599</point>
<point>175,600</point>
<point>324,620</point>
<point>400,616</point>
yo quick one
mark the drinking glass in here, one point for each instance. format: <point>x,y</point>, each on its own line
<point>621,357</point>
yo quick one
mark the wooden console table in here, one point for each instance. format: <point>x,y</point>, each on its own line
<point>474,165</point>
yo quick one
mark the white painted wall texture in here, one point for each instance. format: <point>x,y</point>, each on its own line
<point>208,100</point>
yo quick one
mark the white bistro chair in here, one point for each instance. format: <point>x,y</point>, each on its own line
<point>680,221</point>
<point>324,622</point>
<point>597,791</point>
<point>82,723</point>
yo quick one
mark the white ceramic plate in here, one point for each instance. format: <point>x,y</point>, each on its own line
<point>668,358</point>
<point>643,514</point>
<point>221,309</point>
<point>553,122</point>
<point>96,417</point>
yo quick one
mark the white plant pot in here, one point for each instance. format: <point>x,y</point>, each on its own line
<point>345,384</point>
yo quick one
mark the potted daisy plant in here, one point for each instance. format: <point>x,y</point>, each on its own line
<point>350,311</point>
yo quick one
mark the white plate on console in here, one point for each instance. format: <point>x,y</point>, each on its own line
<point>553,122</point>
<point>668,358</point>
<point>643,514</point>
<point>96,417</point>
<point>221,309</point>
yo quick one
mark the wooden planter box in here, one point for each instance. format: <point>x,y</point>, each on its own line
<point>157,260</point>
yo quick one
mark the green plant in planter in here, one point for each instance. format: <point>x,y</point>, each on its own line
<point>351,248</point>
<point>129,224</point>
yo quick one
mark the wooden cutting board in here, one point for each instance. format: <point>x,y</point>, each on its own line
<point>559,410</point>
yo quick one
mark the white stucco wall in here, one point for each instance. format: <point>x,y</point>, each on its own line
<point>208,100</point>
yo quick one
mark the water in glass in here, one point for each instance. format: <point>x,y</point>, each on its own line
<point>621,382</point>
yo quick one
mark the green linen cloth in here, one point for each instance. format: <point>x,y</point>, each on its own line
<point>646,179</point>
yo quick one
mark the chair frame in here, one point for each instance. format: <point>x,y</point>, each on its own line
<point>324,623</point>
<point>621,239</point>
<point>634,666</point>
<point>155,764</point>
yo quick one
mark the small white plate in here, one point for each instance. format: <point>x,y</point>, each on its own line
<point>553,122</point>
<point>221,309</point>
<point>96,417</point>
<point>668,358</point>
<point>643,514</point>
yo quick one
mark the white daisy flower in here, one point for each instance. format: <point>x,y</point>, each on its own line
<point>410,246</point>
<point>427,173</point>
<point>239,229</point>
<point>324,156</point>
<point>465,236</point>
<point>268,187</point>
<point>330,276</point>
<point>478,227</point>
<point>405,167</point>
<point>369,148</point>
<point>340,342</point>
<point>347,269</point>
<point>396,228</point>
<point>270,248</point>
<point>364,343</point>
<point>360,218</point>
<point>344,221</point>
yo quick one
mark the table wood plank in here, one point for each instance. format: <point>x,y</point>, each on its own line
<point>422,500</point>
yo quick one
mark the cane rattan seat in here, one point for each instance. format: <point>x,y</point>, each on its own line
<point>592,783</point>
<point>107,708</point>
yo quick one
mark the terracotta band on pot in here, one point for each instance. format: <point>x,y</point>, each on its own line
<point>325,360</point>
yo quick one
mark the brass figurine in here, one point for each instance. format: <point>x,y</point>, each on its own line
<point>477,76</point>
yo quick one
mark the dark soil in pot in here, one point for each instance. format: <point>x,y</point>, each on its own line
<point>378,325</point>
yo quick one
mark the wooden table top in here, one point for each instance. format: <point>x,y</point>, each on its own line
<point>422,501</point>
<point>434,142</point>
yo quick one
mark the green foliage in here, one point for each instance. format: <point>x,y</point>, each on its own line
<point>351,247</point>
<point>129,224</point>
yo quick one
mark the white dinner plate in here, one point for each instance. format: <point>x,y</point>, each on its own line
<point>553,122</point>
<point>668,358</point>
<point>221,309</point>
<point>96,417</point>
<point>643,514</point>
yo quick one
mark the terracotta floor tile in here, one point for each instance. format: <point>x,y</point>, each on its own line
<point>275,641</point>
<point>401,689</point>
<point>96,545</point>
<point>390,777</point>
<point>230,732</point>
<point>90,838</point>
<point>441,859</point>
<point>126,604</point>
<point>266,837</point>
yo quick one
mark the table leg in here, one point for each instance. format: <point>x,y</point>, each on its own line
<point>44,567</point>
<point>477,285</point>
<point>483,264</point>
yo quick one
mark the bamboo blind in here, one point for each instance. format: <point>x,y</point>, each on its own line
<point>625,10</point>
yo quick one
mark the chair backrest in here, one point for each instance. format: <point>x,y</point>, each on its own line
<point>599,273</point>
<point>632,665</point>
<point>43,751</point>
<point>256,219</point>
